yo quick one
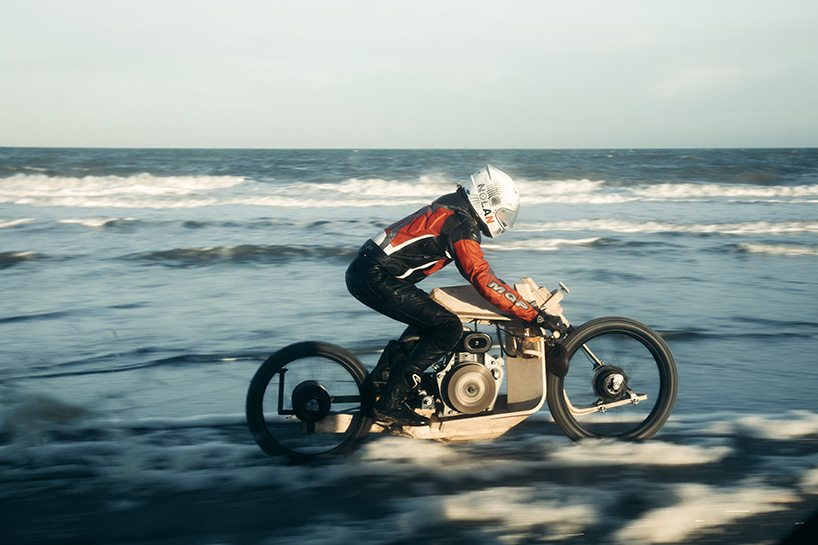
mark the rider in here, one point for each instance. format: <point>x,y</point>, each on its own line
<point>384,274</point>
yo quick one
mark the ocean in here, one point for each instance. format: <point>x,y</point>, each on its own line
<point>140,289</point>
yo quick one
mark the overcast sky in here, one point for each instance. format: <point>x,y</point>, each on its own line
<point>409,74</point>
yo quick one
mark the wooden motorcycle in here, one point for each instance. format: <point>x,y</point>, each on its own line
<point>616,378</point>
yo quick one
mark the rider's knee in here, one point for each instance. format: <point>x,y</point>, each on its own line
<point>448,332</point>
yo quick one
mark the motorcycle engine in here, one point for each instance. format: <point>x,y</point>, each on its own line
<point>471,381</point>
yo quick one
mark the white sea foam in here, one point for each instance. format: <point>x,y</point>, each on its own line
<point>149,191</point>
<point>381,454</point>
<point>504,496</point>
<point>520,508</point>
<point>700,507</point>
<point>571,192</point>
<point>601,192</point>
<point>12,223</point>
<point>787,250</point>
<point>629,226</point>
<point>113,191</point>
<point>684,191</point>
<point>795,425</point>
<point>656,453</point>
<point>306,201</point>
<point>164,423</point>
<point>542,245</point>
<point>506,515</point>
<point>425,186</point>
<point>809,481</point>
<point>96,222</point>
<point>10,258</point>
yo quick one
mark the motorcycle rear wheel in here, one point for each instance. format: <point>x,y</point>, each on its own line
<point>308,400</point>
<point>612,360</point>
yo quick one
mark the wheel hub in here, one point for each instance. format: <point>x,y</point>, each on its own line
<point>610,383</point>
<point>311,401</point>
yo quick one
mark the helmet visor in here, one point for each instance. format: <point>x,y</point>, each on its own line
<point>506,217</point>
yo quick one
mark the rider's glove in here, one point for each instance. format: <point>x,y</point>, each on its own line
<point>547,321</point>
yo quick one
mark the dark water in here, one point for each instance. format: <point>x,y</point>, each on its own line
<point>140,289</point>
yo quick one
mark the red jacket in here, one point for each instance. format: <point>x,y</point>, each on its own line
<point>434,236</point>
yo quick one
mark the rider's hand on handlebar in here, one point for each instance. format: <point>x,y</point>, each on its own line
<point>547,321</point>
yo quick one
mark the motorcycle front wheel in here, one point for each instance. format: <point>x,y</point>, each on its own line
<point>621,381</point>
<point>308,400</point>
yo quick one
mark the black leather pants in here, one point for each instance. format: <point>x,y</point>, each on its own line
<point>438,328</point>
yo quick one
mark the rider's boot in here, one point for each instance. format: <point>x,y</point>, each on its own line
<point>391,408</point>
<point>393,355</point>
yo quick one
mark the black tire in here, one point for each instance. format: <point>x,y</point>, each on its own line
<point>302,391</point>
<point>627,348</point>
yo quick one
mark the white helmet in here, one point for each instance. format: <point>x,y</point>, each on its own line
<point>494,199</point>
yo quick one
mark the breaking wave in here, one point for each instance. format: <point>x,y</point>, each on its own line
<point>9,259</point>
<point>786,250</point>
<point>546,245</point>
<point>169,192</point>
<point>142,190</point>
<point>101,222</point>
<point>626,226</point>
<point>687,191</point>
<point>13,223</point>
